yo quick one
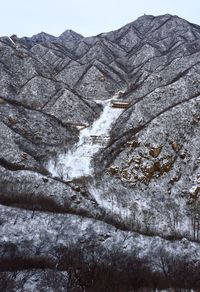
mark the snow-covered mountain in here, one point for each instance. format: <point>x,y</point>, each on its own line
<point>100,159</point>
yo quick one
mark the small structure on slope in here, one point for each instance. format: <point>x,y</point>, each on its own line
<point>80,126</point>
<point>120,104</point>
<point>101,140</point>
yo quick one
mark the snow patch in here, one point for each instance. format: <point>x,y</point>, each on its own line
<point>77,161</point>
<point>109,204</point>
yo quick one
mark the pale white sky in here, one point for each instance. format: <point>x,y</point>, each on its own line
<point>88,17</point>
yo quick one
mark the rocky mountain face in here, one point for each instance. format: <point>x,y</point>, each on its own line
<point>94,197</point>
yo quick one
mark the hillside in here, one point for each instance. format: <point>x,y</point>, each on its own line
<point>100,159</point>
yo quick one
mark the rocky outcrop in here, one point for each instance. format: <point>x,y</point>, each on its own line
<point>139,210</point>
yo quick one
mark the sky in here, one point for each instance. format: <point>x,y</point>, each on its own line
<point>87,17</point>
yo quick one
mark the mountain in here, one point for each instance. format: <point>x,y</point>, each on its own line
<point>100,159</point>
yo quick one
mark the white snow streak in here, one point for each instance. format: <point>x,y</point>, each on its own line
<point>110,204</point>
<point>77,162</point>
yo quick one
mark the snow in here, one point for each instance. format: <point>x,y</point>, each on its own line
<point>11,41</point>
<point>109,204</point>
<point>77,161</point>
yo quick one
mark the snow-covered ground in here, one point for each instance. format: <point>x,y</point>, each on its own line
<point>109,204</point>
<point>77,161</point>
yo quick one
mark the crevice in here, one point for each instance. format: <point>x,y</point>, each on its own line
<point>11,166</point>
<point>21,263</point>
<point>158,27</point>
<point>58,94</point>
<point>114,148</point>
<point>33,202</point>
<point>46,205</point>
<point>19,104</point>
<point>105,71</point>
<point>16,167</point>
<point>175,79</point>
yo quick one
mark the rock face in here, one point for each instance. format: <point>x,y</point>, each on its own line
<point>133,220</point>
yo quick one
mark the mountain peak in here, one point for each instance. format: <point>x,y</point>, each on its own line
<point>70,34</point>
<point>42,37</point>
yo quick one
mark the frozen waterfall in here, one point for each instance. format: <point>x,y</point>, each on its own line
<point>77,161</point>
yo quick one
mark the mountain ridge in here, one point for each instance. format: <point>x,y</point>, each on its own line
<point>100,142</point>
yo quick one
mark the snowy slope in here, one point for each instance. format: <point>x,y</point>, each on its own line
<point>77,161</point>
